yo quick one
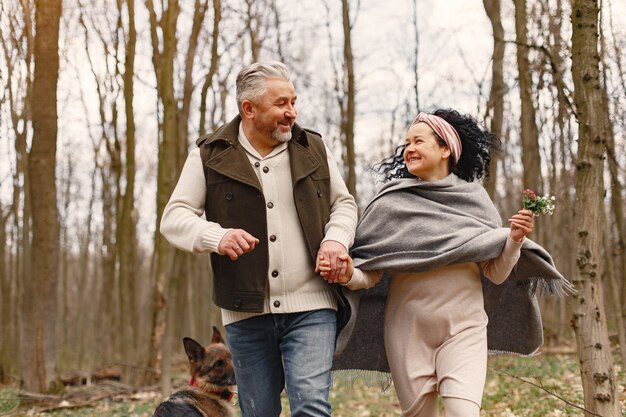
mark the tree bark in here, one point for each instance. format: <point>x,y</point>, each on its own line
<point>180,271</point>
<point>18,92</point>
<point>350,95</point>
<point>208,79</point>
<point>126,228</point>
<point>163,61</point>
<point>254,25</point>
<point>531,158</point>
<point>5,300</point>
<point>617,208</point>
<point>589,319</point>
<point>416,49</point>
<point>495,106</point>
<point>42,164</point>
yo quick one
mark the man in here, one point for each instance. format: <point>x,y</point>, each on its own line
<point>274,201</point>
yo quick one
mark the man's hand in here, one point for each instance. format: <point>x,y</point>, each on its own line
<point>330,251</point>
<point>343,279</point>
<point>236,242</point>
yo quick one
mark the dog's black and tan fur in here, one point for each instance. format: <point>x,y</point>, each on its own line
<point>212,375</point>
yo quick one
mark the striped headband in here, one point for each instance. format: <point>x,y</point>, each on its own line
<point>445,132</point>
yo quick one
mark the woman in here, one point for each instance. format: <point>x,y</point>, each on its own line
<point>435,232</point>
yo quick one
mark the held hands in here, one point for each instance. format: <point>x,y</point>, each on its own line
<point>236,242</point>
<point>521,225</point>
<point>330,251</point>
<point>344,269</point>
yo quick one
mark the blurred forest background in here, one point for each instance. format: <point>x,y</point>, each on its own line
<point>101,100</point>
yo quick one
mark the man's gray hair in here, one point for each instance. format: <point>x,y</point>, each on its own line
<point>251,81</point>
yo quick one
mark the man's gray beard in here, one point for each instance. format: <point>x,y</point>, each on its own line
<point>281,137</point>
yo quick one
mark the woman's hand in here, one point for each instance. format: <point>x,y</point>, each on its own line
<point>521,225</point>
<point>346,268</point>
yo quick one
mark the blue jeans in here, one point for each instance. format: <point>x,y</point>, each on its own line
<point>272,350</point>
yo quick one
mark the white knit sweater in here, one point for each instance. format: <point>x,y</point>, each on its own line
<point>297,287</point>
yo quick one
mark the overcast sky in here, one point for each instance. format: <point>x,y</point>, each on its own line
<point>455,47</point>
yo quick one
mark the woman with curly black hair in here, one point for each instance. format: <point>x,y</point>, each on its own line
<point>434,237</point>
<point>474,161</point>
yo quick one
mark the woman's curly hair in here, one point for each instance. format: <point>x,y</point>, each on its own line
<point>477,142</point>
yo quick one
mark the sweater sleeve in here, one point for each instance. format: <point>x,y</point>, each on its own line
<point>182,224</point>
<point>498,269</point>
<point>363,279</point>
<point>343,210</point>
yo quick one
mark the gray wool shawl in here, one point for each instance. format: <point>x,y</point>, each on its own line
<point>414,225</point>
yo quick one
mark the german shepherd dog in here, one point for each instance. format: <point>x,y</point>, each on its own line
<point>212,376</point>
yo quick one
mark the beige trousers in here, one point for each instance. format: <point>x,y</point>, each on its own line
<point>453,407</point>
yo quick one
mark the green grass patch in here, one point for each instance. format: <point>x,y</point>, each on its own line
<point>9,401</point>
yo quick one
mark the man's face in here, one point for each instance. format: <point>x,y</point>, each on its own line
<point>275,111</point>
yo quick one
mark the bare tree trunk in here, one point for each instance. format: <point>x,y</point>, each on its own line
<point>617,207</point>
<point>208,80</point>
<point>180,270</point>
<point>64,327</point>
<point>18,93</point>
<point>415,58</point>
<point>85,279</point>
<point>495,107</point>
<point>163,61</point>
<point>613,287</point>
<point>350,94</point>
<point>531,158</point>
<point>277,25</point>
<point>621,80</point>
<point>589,319</point>
<point>42,164</point>
<point>564,194</point>
<point>254,25</point>
<point>126,229</point>
<point>5,300</point>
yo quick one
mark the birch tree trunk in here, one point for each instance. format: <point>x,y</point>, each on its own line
<point>42,164</point>
<point>589,319</point>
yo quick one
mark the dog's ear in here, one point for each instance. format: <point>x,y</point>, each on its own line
<point>217,337</point>
<point>193,349</point>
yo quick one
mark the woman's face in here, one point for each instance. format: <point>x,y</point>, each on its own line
<point>423,155</point>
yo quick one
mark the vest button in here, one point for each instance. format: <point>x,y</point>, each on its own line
<point>257,164</point>
<point>270,205</point>
<point>266,169</point>
<point>237,303</point>
<point>276,303</point>
<point>274,273</point>
<point>273,238</point>
<point>319,193</point>
<point>229,196</point>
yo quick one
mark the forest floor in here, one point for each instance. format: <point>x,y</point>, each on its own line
<point>547,385</point>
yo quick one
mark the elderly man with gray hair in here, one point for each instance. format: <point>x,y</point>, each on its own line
<point>274,202</point>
